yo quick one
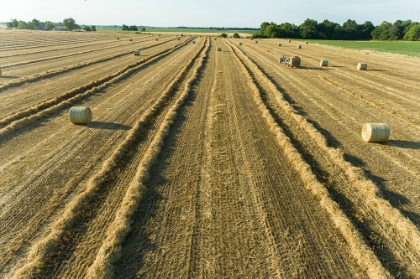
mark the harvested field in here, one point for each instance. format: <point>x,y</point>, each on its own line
<point>201,163</point>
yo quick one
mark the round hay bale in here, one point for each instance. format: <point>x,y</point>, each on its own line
<point>362,66</point>
<point>299,46</point>
<point>306,42</point>
<point>193,42</point>
<point>219,49</point>
<point>130,39</point>
<point>279,44</point>
<point>290,41</point>
<point>323,63</point>
<point>80,115</point>
<point>375,132</point>
<point>0,73</point>
<point>256,42</point>
<point>136,52</point>
<point>240,44</point>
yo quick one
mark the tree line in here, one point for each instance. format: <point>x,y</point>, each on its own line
<point>68,23</point>
<point>132,28</point>
<point>350,30</point>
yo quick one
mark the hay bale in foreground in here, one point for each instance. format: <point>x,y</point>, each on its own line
<point>362,66</point>
<point>375,132</point>
<point>80,115</point>
<point>323,63</point>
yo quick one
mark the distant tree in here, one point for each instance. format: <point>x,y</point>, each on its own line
<point>288,30</point>
<point>309,29</point>
<point>36,23</point>
<point>49,25</point>
<point>350,30</point>
<point>223,35</point>
<point>9,25</point>
<point>413,33</point>
<point>134,28</point>
<point>87,28</point>
<point>143,29</point>
<point>329,30</point>
<point>125,28</point>
<point>22,25</point>
<point>382,32</point>
<point>236,35</point>
<point>93,28</point>
<point>30,25</point>
<point>366,30</point>
<point>70,24</point>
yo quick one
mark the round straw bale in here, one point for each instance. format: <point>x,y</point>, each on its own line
<point>306,42</point>
<point>279,44</point>
<point>80,115</point>
<point>130,39</point>
<point>290,41</point>
<point>299,46</point>
<point>136,52</point>
<point>323,62</point>
<point>240,44</point>
<point>375,132</point>
<point>219,49</point>
<point>362,66</point>
<point>0,72</point>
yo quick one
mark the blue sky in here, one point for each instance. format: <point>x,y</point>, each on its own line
<point>214,13</point>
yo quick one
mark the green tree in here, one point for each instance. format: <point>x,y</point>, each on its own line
<point>87,28</point>
<point>93,28</point>
<point>309,29</point>
<point>223,35</point>
<point>22,25</point>
<point>134,28</point>
<point>382,32</point>
<point>366,30</point>
<point>70,24</point>
<point>125,28</point>
<point>49,25</point>
<point>236,35</point>
<point>413,33</point>
<point>143,29</point>
<point>329,30</point>
<point>350,30</point>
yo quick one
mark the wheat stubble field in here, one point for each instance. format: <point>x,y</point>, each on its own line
<point>201,163</point>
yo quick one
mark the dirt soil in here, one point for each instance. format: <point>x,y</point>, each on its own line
<point>201,163</point>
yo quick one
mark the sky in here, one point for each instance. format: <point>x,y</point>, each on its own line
<point>214,13</point>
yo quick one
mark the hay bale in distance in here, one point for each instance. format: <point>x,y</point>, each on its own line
<point>362,66</point>
<point>240,44</point>
<point>219,49</point>
<point>279,44</point>
<point>80,115</point>
<point>136,52</point>
<point>290,41</point>
<point>323,63</point>
<point>375,132</point>
<point>299,46</point>
<point>130,39</point>
<point>306,42</point>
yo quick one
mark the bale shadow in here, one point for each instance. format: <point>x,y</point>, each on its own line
<point>108,126</point>
<point>8,77</point>
<point>404,144</point>
<point>331,140</point>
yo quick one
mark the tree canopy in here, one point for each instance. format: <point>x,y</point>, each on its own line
<point>350,30</point>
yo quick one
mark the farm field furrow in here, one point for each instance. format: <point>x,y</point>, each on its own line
<point>202,162</point>
<point>93,71</point>
<point>110,129</point>
<point>320,97</point>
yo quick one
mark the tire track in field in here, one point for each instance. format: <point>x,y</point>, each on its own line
<point>62,229</point>
<point>360,251</point>
<point>395,229</point>
<point>29,115</point>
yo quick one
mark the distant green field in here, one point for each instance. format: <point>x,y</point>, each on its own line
<point>398,47</point>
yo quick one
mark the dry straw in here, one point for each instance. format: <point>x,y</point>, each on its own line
<point>375,132</point>
<point>80,115</point>
<point>323,63</point>
<point>362,66</point>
